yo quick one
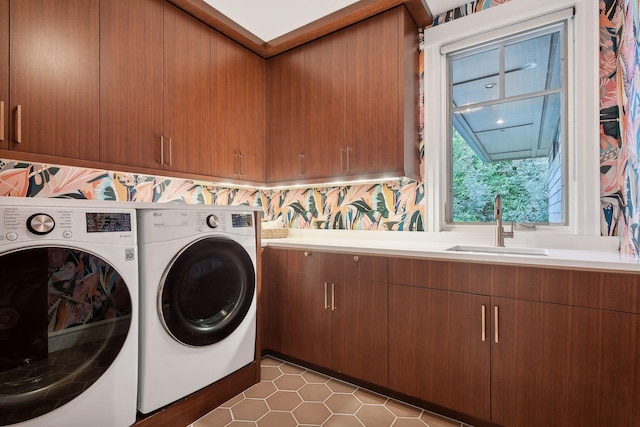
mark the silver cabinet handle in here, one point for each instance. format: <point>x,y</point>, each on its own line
<point>342,150</point>
<point>243,164</point>
<point>170,151</point>
<point>326,301</point>
<point>484,322</point>
<point>301,164</point>
<point>495,319</point>
<point>1,120</point>
<point>18,124</point>
<point>236,163</point>
<point>333,296</point>
<point>348,158</point>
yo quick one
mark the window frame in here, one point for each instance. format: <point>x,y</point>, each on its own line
<point>560,21</point>
<point>582,169</point>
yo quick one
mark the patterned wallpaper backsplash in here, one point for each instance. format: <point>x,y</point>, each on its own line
<point>395,205</point>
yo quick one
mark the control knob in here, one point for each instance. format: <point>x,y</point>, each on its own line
<point>40,224</point>
<point>212,221</point>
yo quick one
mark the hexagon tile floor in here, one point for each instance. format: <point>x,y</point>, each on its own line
<point>291,396</point>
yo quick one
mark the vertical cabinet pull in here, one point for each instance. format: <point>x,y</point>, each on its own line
<point>484,323</point>
<point>243,164</point>
<point>333,296</point>
<point>326,300</point>
<point>342,150</point>
<point>236,163</point>
<point>162,149</point>
<point>18,124</point>
<point>495,319</point>
<point>1,120</point>
<point>348,158</point>
<point>300,164</point>
<point>170,151</point>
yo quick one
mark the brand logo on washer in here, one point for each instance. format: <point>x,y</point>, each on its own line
<point>129,254</point>
<point>157,214</point>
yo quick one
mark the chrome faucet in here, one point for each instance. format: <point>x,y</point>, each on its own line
<point>497,214</point>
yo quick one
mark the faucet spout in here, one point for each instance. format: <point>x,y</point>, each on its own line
<point>497,215</point>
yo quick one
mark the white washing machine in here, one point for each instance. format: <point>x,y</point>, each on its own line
<point>197,299</point>
<point>68,314</point>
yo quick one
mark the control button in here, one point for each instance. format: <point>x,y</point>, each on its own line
<point>12,236</point>
<point>200,228</point>
<point>40,224</point>
<point>67,234</point>
<point>212,221</point>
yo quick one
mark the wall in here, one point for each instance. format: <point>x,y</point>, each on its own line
<point>396,205</point>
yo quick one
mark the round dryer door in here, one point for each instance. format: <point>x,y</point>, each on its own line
<point>207,291</point>
<point>64,316</point>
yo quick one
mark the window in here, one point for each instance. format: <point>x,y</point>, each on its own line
<point>566,158</point>
<point>506,105</point>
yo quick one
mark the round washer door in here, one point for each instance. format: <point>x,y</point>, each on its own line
<point>64,316</point>
<point>207,291</point>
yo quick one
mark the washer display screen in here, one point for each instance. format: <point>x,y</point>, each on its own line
<point>100,222</point>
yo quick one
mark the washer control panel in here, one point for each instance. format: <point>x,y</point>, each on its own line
<point>100,225</point>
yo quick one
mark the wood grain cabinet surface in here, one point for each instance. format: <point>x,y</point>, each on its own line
<point>329,306</point>
<point>564,344</point>
<point>238,99</point>
<point>347,104</point>
<point>53,59</point>
<point>501,345</point>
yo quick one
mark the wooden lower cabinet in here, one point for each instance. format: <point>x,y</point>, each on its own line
<point>334,310</point>
<point>514,346</point>
<point>564,366</point>
<point>440,349</point>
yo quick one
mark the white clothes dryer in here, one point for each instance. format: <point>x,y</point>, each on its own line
<point>68,314</point>
<point>198,299</point>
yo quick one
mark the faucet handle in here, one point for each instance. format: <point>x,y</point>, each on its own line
<point>509,233</point>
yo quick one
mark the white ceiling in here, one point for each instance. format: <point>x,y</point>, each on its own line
<point>273,18</point>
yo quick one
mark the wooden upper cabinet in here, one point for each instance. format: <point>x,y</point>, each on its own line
<point>131,85</point>
<point>382,95</point>
<point>238,96</point>
<point>351,100</point>
<point>4,74</point>
<point>324,94</point>
<point>187,143</point>
<point>285,147</point>
<point>54,77</point>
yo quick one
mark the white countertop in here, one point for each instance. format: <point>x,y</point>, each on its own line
<point>592,252</point>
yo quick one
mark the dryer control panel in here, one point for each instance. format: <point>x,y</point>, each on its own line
<point>163,225</point>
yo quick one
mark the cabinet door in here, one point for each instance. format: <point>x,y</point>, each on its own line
<point>54,77</point>
<point>4,74</point>
<point>559,365</point>
<point>274,268</point>
<point>360,322</point>
<point>187,93</point>
<point>374,94</point>
<point>285,154</point>
<point>131,82</point>
<point>238,110</point>
<point>308,315</point>
<point>324,121</point>
<point>438,349</point>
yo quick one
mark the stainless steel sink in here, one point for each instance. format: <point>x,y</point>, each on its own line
<point>499,250</point>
